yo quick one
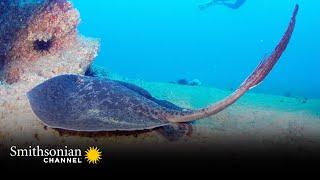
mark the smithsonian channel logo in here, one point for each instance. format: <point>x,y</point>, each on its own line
<point>65,155</point>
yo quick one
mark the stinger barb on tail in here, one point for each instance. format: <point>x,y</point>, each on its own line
<point>253,80</point>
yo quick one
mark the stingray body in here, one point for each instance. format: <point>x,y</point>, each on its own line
<point>86,103</point>
<point>82,103</point>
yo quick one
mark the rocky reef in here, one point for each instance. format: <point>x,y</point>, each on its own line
<point>38,40</point>
<point>33,32</point>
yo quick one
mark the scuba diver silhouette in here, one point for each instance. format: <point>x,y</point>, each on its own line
<point>233,5</point>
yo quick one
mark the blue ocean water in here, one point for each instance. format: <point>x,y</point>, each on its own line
<point>166,40</point>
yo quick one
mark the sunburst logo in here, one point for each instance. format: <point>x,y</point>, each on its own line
<point>93,155</point>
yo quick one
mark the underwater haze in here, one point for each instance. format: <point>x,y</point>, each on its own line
<point>166,40</point>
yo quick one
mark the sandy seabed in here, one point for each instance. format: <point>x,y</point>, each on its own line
<point>257,121</point>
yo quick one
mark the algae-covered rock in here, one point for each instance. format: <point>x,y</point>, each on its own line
<point>38,40</point>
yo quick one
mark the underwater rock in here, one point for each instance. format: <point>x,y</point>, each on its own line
<point>195,82</point>
<point>38,40</point>
<point>37,30</point>
<point>183,82</point>
<point>287,94</point>
<point>304,100</point>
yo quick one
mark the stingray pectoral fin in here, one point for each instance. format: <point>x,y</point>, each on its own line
<point>81,103</point>
<point>253,80</point>
<point>146,94</point>
<point>136,89</point>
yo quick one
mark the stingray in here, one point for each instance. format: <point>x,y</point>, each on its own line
<point>90,104</point>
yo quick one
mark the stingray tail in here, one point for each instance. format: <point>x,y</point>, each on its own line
<point>253,80</point>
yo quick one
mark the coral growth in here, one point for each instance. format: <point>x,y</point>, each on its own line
<point>38,40</point>
<point>47,29</point>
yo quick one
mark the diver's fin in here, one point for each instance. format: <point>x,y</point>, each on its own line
<point>254,79</point>
<point>206,5</point>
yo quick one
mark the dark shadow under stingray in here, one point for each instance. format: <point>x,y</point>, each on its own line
<point>172,132</point>
<point>99,134</point>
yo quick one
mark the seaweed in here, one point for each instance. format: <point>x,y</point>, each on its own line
<point>96,71</point>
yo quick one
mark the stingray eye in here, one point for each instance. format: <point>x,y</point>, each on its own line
<point>42,45</point>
